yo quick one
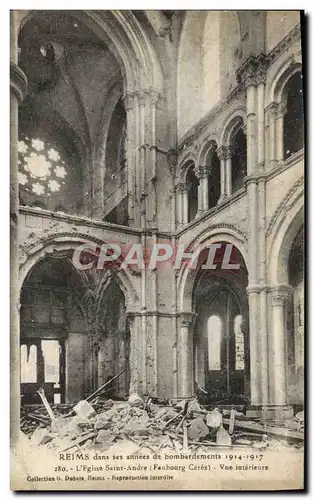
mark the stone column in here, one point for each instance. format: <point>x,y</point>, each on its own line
<point>134,326</point>
<point>141,98</point>
<point>202,174</point>
<point>271,126</point>
<point>260,124</point>
<point>277,345</point>
<point>128,99</point>
<point>180,191</point>
<point>18,85</point>
<point>186,355</point>
<point>183,202</point>
<point>252,76</point>
<point>281,111</point>
<point>254,348</point>
<point>228,170</point>
<point>152,99</point>
<point>123,338</point>
<point>221,153</point>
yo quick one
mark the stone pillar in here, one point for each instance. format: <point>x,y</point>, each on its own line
<point>254,348</point>
<point>141,166</point>
<point>134,326</point>
<point>152,99</point>
<point>228,170</point>
<point>129,104</point>
<point>281,111</point>
<point>202,174</point>
<point>261,124</point>
<point>18,85</point>
<point>252,75</point>
<point>180,191</point>
<point>277,344</point>
<point>271,126</point>
<point>222,155</point>
<point>186,355</point>
<point>183,202</point>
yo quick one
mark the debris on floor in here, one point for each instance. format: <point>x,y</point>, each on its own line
<point>100,424</point>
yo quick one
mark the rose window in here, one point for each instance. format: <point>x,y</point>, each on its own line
<point>42,171</point>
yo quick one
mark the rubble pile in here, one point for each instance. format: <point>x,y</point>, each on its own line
<point>152,424</point>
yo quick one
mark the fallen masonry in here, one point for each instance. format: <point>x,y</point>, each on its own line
<point>137,428</point>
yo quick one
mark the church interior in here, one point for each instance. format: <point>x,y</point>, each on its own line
<point>145,127</point>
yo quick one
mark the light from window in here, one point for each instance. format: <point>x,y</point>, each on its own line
<point>28,364</point>
<point>214,327</point>
<point>51,355</point>
<point>239,342</point>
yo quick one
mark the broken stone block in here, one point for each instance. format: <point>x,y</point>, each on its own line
<point>197,429</point>
<point>194,406</point>
<point>179,405</point>
<point>300,416</point>
<point>259,444</point>
<point>125,447</point>
<point>104,436</point>
<point>214,418</point>
<point>222,437</point>
<point>135,400</point>
<point>102,424</point>
<point>59,424</point>
<point>40,436</point>
<point>246,442</point>
<point>122,406</point>
<point>84,409</point>
<point>166,414</point>
<point>136,427</point>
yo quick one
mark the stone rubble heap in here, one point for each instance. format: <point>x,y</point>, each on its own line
<point>154,424</point>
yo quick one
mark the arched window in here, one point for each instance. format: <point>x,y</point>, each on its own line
<point>115,181</point>
<point>238,161</point>
<point>214,342</point>
<point>42,173</point>
<point>214,181</point>
<point>239,343</point>
<point>192,186</point>
<point>294,116</point>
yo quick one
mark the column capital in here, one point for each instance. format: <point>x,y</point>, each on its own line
<point>184,187</point>
<point>222,152</point>
<point>228,152</point>
<point>18,81</point>
<point>152,96</point>
<point>141,98</point>
<point>202,172</point>
<point>280,295</point>
<point>186,318</point>
<point>128,100</point>
<point>253,71</point>
<point>272,108</point>
<point>281,110</point>
<point>130,316</point>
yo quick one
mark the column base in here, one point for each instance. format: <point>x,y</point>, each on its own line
<point>222,198</point>
<point>277,412</point>
<point>254,411</point>
<point>199,214</point>
<point>183,398</point>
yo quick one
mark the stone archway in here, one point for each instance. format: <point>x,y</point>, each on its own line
<point>286,291</point>
<point>53,332</point>
<point>220,335</point>
<point>199,300</point>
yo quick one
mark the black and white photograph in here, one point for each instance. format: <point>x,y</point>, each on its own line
<point>157,250</point>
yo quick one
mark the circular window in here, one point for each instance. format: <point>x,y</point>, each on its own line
<point>42,171</point>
